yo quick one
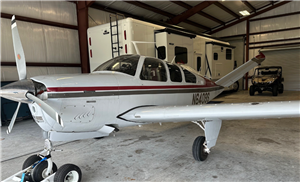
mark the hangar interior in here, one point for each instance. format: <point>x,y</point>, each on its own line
<point>54,36</point>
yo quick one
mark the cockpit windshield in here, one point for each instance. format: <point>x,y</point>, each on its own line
<point>125,64</point>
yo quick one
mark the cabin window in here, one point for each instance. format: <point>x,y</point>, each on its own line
<point>175,73</point>
<point>216,56</point>
<point>161,52</point>
<point>198,63</point>
<point>181,55</point>
<point>228,54</point>
<point>153,70</point>
<point>189,77</point>
<point>125,64</point>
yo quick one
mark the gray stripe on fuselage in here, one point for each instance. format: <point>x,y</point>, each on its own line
<point>130,92</point>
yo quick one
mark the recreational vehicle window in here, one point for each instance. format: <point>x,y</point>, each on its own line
<point>189,77</point>
<point>153,70</point>
<point>228,54</point>
<point>175,73</point>
<point>161,52</point>
<point>216,56</point>
<point>125,64</point>
<point>181,55</point>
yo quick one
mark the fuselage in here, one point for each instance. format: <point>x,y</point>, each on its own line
<point>87,102</point>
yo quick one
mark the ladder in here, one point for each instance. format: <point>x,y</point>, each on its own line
<point>114,32</point>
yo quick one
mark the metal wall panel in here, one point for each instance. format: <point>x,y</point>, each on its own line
<point>41,43</point>
<point>9,73</point>
<point>268,24</point>
<point>56,11</point>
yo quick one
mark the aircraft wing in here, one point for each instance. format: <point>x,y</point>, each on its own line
<point>261,110</point>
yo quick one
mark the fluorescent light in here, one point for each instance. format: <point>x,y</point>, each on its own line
<point>244,13</point>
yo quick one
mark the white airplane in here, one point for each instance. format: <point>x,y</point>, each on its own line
<point>125,91</point>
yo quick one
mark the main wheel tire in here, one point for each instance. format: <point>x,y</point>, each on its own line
<point>260,91</point>
<point>68,173</point>
<point>30,160</point>
<point>236,86</point>
<point>275,90</point>
<point>251,91</point>
<point>281,88</point>
<point>199,153</point>
<point>39,171</point>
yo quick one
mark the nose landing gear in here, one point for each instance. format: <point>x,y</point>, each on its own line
<point>41,168</point>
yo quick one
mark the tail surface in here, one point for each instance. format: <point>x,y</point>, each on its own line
<point>236,74</point>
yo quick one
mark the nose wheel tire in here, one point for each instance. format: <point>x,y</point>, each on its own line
<point>30,160</point>
<point>199,147</point>
<point>39,171</point>
<point>68,173</point>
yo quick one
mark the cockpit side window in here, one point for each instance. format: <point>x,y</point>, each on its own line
<point>175,73</point>
<point>125,64</point>
<point>153,70</point>
<point>189,77</point>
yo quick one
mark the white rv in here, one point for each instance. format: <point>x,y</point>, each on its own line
<point>211,57</point>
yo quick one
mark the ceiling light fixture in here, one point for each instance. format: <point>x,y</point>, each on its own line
<point>244,13</point>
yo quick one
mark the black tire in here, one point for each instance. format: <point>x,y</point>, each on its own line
<point>38,171</point>
<point>281,88</point>
<point>237,86</point>
<point>251,90</point>
<point>275,90</point>
<point>198,149</point>
<point>30,160</point>
<point>66,172</point>
<point>260,91</point>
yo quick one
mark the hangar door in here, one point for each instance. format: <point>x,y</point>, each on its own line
<point>290,62</point>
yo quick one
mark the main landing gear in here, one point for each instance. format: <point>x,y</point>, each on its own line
<point>202,145</point>
<point>41,168</point>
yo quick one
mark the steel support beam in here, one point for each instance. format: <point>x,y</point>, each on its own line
<point>82,19</point>
<point>276,40</point>
<point>190,12</point>
<point>275,45</point>
<point>250,16</point>
<point>43,64</point>
<point>39,21</point>
<point>249,5</point>
<point>150,8</point>
<point>276,16</point>
<point>226,9</point>
<point>187,6</point>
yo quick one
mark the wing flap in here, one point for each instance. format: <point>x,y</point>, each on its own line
<point>261,110</point>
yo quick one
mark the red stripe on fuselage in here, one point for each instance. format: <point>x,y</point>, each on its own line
<point>106,88</point>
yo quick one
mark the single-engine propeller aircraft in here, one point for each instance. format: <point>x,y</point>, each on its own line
<point>125,91</point>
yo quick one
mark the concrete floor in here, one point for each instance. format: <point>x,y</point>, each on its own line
<point>247,150</point>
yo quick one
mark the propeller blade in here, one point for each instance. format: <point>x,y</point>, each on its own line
<point>13,119</point>
<point>48,109</point>
<point>18,49</point>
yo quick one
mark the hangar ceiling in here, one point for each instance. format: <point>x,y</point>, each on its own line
<point>197,16</point>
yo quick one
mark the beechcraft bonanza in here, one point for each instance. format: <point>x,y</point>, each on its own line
<point>125,91</point>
